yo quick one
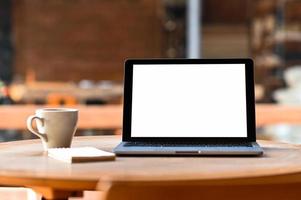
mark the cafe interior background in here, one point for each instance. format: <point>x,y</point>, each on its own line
<point>71,52</point>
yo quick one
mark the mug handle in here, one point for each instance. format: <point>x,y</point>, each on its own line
<point>29,126</point>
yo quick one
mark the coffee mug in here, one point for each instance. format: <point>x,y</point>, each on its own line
<point>55,126</point>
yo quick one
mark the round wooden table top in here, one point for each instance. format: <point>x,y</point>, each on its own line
<point>23,163</point>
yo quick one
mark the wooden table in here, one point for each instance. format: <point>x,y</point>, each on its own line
<point>23,163</point>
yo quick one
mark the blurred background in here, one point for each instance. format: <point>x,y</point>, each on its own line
<point>71,53</point>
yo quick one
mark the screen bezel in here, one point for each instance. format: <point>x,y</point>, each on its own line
<point>250,101</point>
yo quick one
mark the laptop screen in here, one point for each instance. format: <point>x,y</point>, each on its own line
<point>189,100</point>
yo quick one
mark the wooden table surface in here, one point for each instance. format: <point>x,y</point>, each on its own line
<point>23,163</point>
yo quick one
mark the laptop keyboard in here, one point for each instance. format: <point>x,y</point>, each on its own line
<point>143,144</point>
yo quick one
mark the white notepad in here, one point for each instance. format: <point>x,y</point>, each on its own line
<point>80,154</point>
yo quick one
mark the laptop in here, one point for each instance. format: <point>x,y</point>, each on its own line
<point>189,107</point>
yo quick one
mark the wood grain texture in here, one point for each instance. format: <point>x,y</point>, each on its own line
<point>23,163</point>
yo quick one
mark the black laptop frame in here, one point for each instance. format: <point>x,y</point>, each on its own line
<point>250,102</point>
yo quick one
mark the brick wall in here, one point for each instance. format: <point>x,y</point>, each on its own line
<point>84,39</point>
<point>225,12</point>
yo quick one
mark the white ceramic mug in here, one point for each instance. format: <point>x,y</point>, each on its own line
<point>55,126</point>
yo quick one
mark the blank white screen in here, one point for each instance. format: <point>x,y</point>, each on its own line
<point>189,100</point>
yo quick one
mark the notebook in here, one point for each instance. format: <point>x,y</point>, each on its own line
<point>80,154</point>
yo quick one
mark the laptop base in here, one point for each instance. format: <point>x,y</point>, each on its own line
<point>252,149</point>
